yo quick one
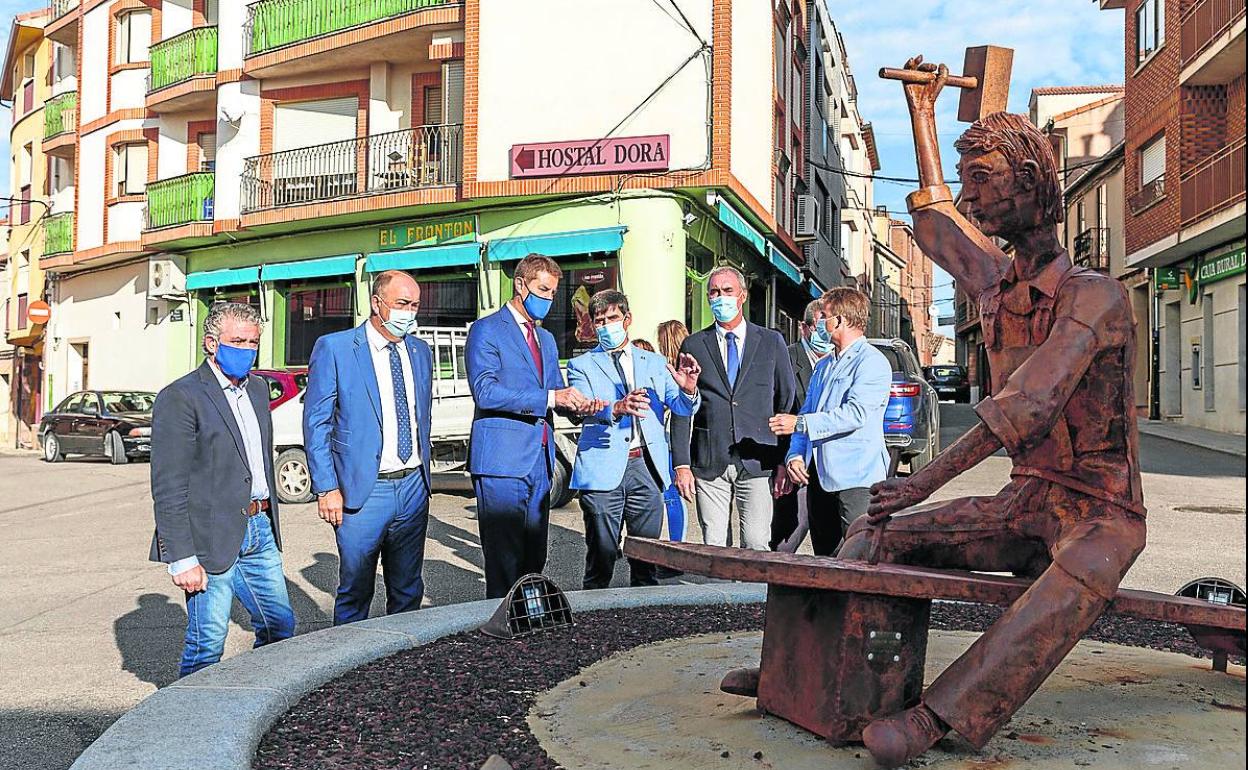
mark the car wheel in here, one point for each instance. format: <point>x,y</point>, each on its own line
<point>52,448</point>
<point>115,449</point>
<point>294,480</point>
<point>561,492</point>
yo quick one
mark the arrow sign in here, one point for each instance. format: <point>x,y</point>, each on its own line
<point>592,156</point>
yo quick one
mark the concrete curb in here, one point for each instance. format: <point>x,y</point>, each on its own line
<point>1223,443</point>
<point>216,718</point>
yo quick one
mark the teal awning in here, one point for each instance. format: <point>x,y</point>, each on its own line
<point>786,267</point>
<point>736,223</point>
<point>310,268</point>
<point>816,290</point>
<point>215,279</point>
<point>601,239</point>
<point>454,255</point>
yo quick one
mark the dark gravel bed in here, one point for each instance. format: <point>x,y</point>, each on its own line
<point>450,704</point>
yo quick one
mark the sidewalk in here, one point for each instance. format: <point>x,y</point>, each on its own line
<point>1214,441</point>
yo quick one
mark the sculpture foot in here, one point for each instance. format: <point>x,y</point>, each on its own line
<point>741,681</point>
<point>895,740</point>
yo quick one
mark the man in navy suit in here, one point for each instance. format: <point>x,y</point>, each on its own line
<point>513,372</point>
<point>366,428</point>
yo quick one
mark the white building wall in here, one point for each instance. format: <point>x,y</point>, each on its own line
<point>230,17</point>
<point>172,140</point>
<point>753,107</point>
<point>175,18</point>
<point>93,64</point>
<point>238,138</point>
<point>125,221</point>
<point>539,81</point>
<point>89,218</point>
<point>129,89</point>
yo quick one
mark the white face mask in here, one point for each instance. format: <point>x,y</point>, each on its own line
<point>400,322</point>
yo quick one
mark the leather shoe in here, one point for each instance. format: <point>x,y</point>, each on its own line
<point>894,741</point>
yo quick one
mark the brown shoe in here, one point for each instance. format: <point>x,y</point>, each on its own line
<point>894,741</point>
<point>741,681</point>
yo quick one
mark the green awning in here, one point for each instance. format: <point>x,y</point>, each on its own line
<point>215,279</point>
<point>310,268</point>
<point>453,255</point>
<point>736,223</point>
<point>787,268</point>
<point>601,239</point>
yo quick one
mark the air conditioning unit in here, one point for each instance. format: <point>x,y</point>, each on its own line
<point>807,217</point>
<point>164,280</point>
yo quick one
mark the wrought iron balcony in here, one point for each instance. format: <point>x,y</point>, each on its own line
<point>1203,22</point>
<point>1147,195</point>
<point>60,114</point>
<point>181,200</point>
<point>58,234</point>
<point>410,159</point>
<point>1213,184</point>
<point>62,7</point>
<point>272,24</point>
<point>182,57</point>
<point>1092,248</point>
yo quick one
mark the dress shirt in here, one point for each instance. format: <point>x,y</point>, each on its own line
<point>379,347</point>
<point>253,446</point>
<point>811,355</point>
<point>626,363</point>
<point>524,323</point>
<point>721,336</point>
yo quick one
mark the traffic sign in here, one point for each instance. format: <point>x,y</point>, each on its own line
<point>38,312</point>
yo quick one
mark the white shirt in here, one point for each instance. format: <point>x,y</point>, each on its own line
<point>524,332</point>
<point>721,335</point>
<point>630,384</point>
<point>379,346</point>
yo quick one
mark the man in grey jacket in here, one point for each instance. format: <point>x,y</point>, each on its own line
<point>212,484</point>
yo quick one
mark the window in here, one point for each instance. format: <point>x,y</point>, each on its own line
<point>569,317</point>
<point>23,303</point>
<point>1102,206</point>
<point>312,312</point>
<point>27,161</point>
<point>207,151</point>
<point>433,105</point>
<point>62,62</point>
<point>129,169</point>
<point>1081,217</point>
<point>778,49</point>
<point>448,302</point>
<point>830,218</point>
<point>453,92</point>
<point>1150,28</point>
<point>1153,161</point>
<point>211,12</point>
<point>134,35</point>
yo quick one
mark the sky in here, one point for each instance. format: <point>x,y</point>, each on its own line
<point>1055,42</point>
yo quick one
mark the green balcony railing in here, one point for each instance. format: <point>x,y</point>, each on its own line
<point>180,200</point>
<point>182,57</point>
<point>275,23</point>
<point>58,234</point>
<point>60,114</point>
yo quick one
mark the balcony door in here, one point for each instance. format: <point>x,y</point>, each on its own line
<point>315,152</point>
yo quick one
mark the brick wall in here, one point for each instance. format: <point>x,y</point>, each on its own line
<point>1235,107</point>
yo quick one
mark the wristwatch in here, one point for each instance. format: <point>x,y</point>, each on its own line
<point>800,427</point>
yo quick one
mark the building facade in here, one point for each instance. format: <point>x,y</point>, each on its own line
<point>1184,193</point>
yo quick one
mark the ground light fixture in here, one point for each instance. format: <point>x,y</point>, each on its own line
<point>1216,591</point>
<point>533,604</point>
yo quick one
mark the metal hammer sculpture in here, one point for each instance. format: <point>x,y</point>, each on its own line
<point>985,80</point>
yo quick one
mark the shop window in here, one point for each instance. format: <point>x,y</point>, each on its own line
<point>569,317</point>
<point>450,302</point>
<point>311,312</point>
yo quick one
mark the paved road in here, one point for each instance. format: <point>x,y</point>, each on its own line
<point>88,627</point>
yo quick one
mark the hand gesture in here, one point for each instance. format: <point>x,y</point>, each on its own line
<point>573,400</point>
<point>892,495</point>
<point>783,424</point>
<point>192,580</point>
<point>781,484</point>
<point>634,404</point>
<point>685,483</point>
<point>921,97</point>
<point>797,472</point>
<point>329,507</point>
<point>686,373</point>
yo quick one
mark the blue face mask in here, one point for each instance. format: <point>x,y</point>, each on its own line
<point>725,308</point>
<point>819,340</point>
<point>612,335</point>
<point>234,362</point>
<point>537,307</point>
<point>400,322</point>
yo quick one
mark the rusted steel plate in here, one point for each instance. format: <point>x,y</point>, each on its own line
<point>831,574</point>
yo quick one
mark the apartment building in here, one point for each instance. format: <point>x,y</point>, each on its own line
<point>1184,193</point>
<point>916,292</point>
<point>31,231</point>
<point>280,153</point>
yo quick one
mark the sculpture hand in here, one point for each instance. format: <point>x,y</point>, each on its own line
<point>892,495</point>
<point>921,97</point>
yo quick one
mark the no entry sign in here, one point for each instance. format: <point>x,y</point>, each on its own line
<point>39,312</point>
<point>592,156</point>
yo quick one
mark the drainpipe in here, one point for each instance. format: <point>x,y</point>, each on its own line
<point>1154,363</point>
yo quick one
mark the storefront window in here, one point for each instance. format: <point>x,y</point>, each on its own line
<point>569,317</point>
<point>311,312</point>
<point>448,303</point>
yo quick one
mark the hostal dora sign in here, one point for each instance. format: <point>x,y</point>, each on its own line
<point>612,155</point>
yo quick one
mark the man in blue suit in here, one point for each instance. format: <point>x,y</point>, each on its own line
<point>622,464</point>
<point>366,428</point>
<point>513,372</point>
<point>838,438</point>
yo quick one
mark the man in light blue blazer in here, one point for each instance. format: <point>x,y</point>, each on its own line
<point>366,428</point>
<point>622,464</point>
<point>838,438</point>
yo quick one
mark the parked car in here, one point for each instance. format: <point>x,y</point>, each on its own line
<point>284,384</point>
<point>912,418</point>
<point>950,382</point>
<point>114,423</point>
<point>451,424</point>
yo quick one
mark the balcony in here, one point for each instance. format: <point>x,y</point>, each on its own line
<point>1092,248</point>
<point>183,71</point>
<point>1148,195</point>
<point>288,37</point>
<point>181,200</point>
<point>1211,49</point>
<point>58,234</point>
<point>1213,184</point>
<point>411,159</point>
<point>60,115</point>
<point>63,27</point>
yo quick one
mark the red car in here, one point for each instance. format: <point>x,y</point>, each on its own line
<point>284,384</point>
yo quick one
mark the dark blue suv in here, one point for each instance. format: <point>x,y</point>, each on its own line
<point>912,419</point>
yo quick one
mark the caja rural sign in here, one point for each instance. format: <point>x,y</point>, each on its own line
<point>592,156</point>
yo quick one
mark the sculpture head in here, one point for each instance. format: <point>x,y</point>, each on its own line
<point>1009,176</point>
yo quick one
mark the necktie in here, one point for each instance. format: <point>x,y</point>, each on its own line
<point>619,367</point>
<point>402,409</point>
<point>531,337</point>
<point>734,358</point>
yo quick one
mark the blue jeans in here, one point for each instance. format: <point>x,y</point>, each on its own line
<point>257,580</point>
<point>391,524</point>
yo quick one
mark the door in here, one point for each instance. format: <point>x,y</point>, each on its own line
<point>1172,375</point>
<point>91,424</point>
<point>315,151</point>
<point>65,423</point>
